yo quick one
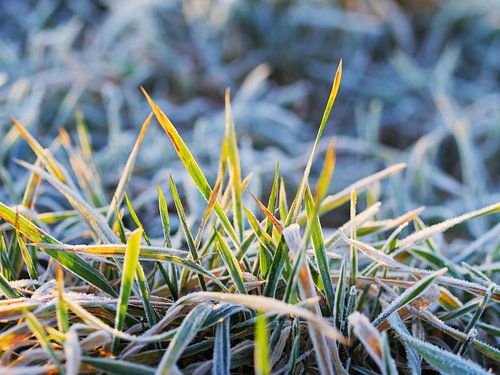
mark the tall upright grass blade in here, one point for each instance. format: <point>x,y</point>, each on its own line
<point>307,290</point>
<point>234,170</point>
<point>231,263</point>
<point>319,250</point>
<point>129,269</point>
<point>187,233</point>
<point>354,252</point>
<point>326,173</point>
<point>261,352</point>
<point>222,349</point>
<point>297,202</point>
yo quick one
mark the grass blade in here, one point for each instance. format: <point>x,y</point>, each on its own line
<point>442,360</point>
<point>409,295</point>
<point>222,348</point>
<point>72,262</point>
<point>445,225</point>
<point>129,270</point>
<point>297,202</point>
<point>319,249</point>
<point>234,170</point>
<point>261,352</point>
<point>190,165</point>
<point>232,264</point>
<point>187,331</point>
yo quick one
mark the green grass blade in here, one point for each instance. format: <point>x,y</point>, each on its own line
<point>191,165</point>
<point>118,366</point>
<point>326,173</point>
<point>275,271</point>
<point>307,290</point>
<point>354,251</point>
<point>6,289</point>
<point>234,170</point>
<point>231,263</point>
<point>165,221</point>
<point>37,329</point>
<point>297,202</point>
<point>136,219</point>
<point>186,332</point>
<point>187,234</point>
<point>129,270</point>
<point>261,352</point>
<point>319,249</point>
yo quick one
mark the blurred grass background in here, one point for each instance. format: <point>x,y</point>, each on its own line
<point>420,85</point>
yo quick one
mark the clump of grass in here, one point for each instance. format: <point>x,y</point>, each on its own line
<point>243,284</point>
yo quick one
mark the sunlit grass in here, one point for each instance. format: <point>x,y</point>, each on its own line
<point>257,287</point>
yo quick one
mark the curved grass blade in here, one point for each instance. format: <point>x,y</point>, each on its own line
<point>343,196</point>
<point>6,289</point>
<point>37,329</point>
<point>267,304</point>
<point>43,154</point>
<point>191,165</point>
<point>147,253</point>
